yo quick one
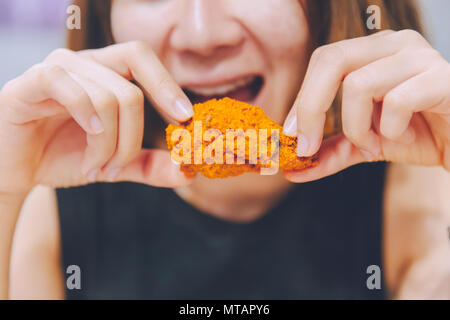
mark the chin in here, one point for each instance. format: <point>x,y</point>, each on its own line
<point>245,185</point>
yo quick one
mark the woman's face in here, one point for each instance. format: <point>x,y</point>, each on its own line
<point>252,50</point>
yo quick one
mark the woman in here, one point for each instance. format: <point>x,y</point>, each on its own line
<point>77,119</point>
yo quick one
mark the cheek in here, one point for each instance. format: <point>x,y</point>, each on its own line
<point>281,30</point>
<point>131,21</point>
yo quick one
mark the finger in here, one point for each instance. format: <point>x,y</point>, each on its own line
<point>100,148</point>
<point>401,102</point>
<point>327,68</point>
<point>371,83</point>
<point>131,105</point>
<point>129,144</point>
<point>44,82</point>
<point>151,167</point>
<point>336,154</point>
<point>135,60</point>
<point>290,124</point>
<point>22,113</point>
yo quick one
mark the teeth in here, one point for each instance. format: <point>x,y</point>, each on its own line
<point>222,89</point>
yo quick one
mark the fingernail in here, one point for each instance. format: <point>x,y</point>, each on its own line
<point>290,126</point>
<point>183,109</point>
<point>302,145</point>
<point>96,125</point>
<point>113,173</point>
<point>92,174</point>
<point>366,154</point>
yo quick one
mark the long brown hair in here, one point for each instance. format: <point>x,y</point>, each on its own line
<point>329,21</point>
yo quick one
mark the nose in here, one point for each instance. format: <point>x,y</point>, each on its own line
<point>204,27</point>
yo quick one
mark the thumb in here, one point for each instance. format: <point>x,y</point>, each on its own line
<point>152,167</point>
<point>335,154</point>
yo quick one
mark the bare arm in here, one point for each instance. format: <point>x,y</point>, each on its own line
<point>9,211</point>
<point>35,271</point>
<point>416,240</point>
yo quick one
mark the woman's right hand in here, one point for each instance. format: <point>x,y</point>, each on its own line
<point>76,118</point>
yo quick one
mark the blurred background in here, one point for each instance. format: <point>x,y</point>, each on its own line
<point>31,29</point>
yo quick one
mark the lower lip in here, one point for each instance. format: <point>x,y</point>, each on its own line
<point>248,93</point>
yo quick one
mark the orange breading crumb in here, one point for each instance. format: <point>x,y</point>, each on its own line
<point>226,114</point>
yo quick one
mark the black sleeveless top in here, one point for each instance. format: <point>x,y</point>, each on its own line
<point>133,241</point>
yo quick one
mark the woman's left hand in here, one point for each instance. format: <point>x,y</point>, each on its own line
<point>395,104</point>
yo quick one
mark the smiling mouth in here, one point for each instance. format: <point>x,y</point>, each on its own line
<point>244,89</point>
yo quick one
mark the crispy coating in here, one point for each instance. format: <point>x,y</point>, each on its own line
<point>226,114</point>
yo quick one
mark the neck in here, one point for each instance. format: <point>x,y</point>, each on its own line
<point>240,199</point>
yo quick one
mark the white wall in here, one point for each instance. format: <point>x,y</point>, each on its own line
<point>436,14</point>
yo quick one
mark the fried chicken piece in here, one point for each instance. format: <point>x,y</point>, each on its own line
<point>226,114</point>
